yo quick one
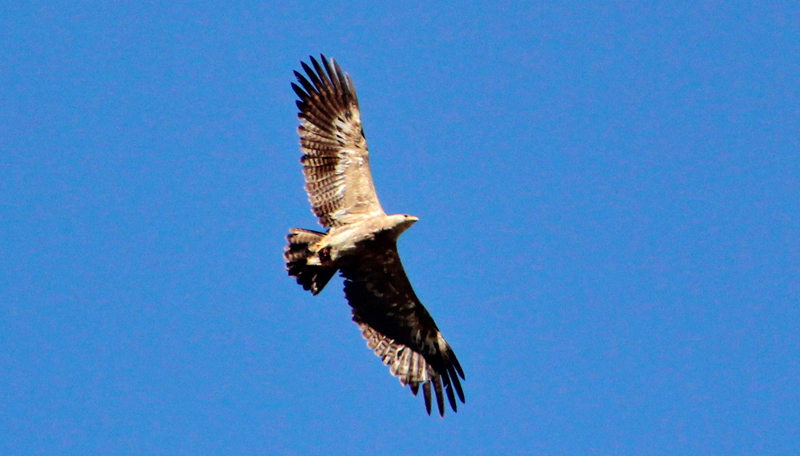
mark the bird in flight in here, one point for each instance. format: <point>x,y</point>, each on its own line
<point>361,240</point>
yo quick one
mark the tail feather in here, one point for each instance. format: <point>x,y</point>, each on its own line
<point>297,253</point>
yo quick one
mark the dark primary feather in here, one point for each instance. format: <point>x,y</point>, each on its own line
<point>397,326</point>
<point>336,159</point>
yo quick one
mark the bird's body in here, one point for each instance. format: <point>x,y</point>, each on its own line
<point>350,241</point>
<point>361,241</point>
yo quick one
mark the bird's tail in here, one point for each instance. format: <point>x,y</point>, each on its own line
<point>297,253</point>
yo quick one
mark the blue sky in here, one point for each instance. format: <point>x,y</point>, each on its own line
<point>608,200</point>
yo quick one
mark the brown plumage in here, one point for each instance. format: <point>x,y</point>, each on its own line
<point>361,241</point>
<point>335,160</point>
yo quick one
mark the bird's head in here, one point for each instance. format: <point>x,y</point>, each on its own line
<point>402,222</point>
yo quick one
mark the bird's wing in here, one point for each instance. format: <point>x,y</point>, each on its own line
<point>335,156</point>
<point>399,329</point>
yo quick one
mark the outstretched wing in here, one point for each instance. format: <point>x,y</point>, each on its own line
<point>398,328</point>
<point>336,159</point>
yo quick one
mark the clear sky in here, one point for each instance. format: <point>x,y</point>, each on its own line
<point>609,237</point>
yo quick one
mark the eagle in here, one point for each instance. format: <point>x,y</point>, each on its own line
<point>361,240</point>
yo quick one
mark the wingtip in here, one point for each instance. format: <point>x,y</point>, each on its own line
<point>426,393</point>
<point>448,388</point>
<point>306,68</point>
<point>325,58</point>
<point>455,383</point>
<point>299,91</point>
<point>457,365</point>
